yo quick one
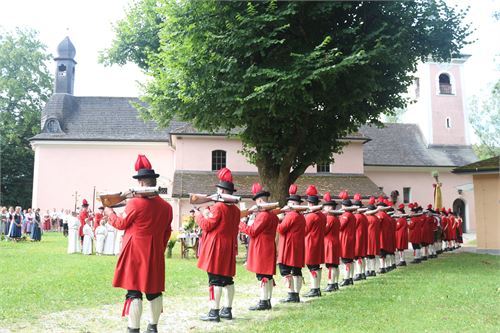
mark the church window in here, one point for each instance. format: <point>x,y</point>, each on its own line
<point>62,70</point>
<point>448,123</point>
<point>406,194</point>
<point>218,159</point>
<point>323,167</point>
<point>444,84</point>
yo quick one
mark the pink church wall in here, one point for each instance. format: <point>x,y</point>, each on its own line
<point>447,106</point>
<point>421,182</point>
<point>62,169</point>
<point>195,153</point>
<point>350,161</point>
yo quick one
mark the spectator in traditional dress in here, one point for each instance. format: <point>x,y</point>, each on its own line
<point>66,217</point>
<point>4,218</point>
<point>54,216</point>
<point>46,221</point>
<point>30,216</point>
<point>100,236</point>
<point>73,234</point>
<point>88,236</point>
<point>36,231</point>
<point>16,225</point>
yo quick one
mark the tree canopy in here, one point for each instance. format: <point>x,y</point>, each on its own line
<point>25,87</point>
<point>294,77</point>
<point>485,120</point>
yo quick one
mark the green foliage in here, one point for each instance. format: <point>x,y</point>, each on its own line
<point>25,86</point>
<point>485,120</point>
<point>136,36</point>
<point>293,77</point>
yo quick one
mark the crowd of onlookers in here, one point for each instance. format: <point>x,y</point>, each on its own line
<point>17,223</point>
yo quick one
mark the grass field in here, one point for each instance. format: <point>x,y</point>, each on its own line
<point>459,292</point>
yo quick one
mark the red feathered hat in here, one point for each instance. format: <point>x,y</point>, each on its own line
<point>312,194</point>
<point>388,202</point>
<point>344,195</point>
<point>380,199</point>
<point>327,198</point>
<point>293,196</point>
<point>401,206</point>
<point>258,191</point>
<point>225,180</point>
<point>357,199</point>
<point>85,203</point>
<point>144,168</point>
<point>371,201</point>
<point>429,206</point>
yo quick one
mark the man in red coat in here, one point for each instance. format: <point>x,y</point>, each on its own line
<point>401,234</point>
<point>84,214</point>
<point>332,243</point>
<point>415,232</point>
<point>262,249</point>
<point>373,247</point>
<point>97,218</point>
<point>141,264</point>
<point>314,241</point>
<point>220,226</point>
<point>385,235</point>
<point>453,229</point>
<point>347,237</point>
<point>361,238</point>
<point>291,247</point>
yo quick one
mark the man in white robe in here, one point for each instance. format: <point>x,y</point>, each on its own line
<point>73,237</point>
<point>109,242</point>
<point>88,236</point>
<point>100,236</point>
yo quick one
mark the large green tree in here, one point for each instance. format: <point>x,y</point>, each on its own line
<point>293,77</point>
<point>25,87</point>
<point>485,120</point>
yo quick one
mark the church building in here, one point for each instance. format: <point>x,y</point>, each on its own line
<point>89,145</point>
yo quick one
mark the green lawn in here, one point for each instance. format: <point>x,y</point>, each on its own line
<point>459,292</point>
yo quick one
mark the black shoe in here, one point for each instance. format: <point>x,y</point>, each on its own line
<point>401,263</point>
<point>292,298</point>
<point>329,288</point>
<point>335,286</point>
<point>415,261</point>
<point>345,283</point>
<point>363,276</point>
<point>388,269</point>
<point>393,266</point>
<point>262,305</point>
<point>213,315</point>
<point>269,306</point>
<point>225,313</point>
<point>152,328</point>
<point>313,293</point>
<point>357,277</point>
<point>424,258</point>
<point>133,330</point>
<point>383,270</point>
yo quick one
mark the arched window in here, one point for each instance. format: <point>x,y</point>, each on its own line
<point>218,159</point>
<point>445,84</point>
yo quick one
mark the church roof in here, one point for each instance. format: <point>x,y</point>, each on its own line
<point>186,182</point>
<point>116,119</point>
<point>404,145</point>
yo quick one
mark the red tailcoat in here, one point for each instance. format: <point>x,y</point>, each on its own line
<point>147,225</point>
<point>428,230</point>
<point>219,243</point>
<point>97,220</point>
<point>347,235</point>
<point>401,234</point>
<point>452,228</point>
<point>460,231</point>
<point>445,223</point>
<point>373,235</point>
<point>314,238</point>
<point>332,243</point>
<point>291,247</point>
<point>361,246</point>
<point>83,216</point>
<point>262,249</point>
<point>386,232</point>
<point>415,227</point>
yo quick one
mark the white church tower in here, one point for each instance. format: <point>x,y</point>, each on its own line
<point>440,107</point>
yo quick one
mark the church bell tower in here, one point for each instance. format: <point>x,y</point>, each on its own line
<point>65,67</point>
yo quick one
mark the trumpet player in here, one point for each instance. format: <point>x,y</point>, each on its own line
<point>262,249</point>
<point>332,244</point>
